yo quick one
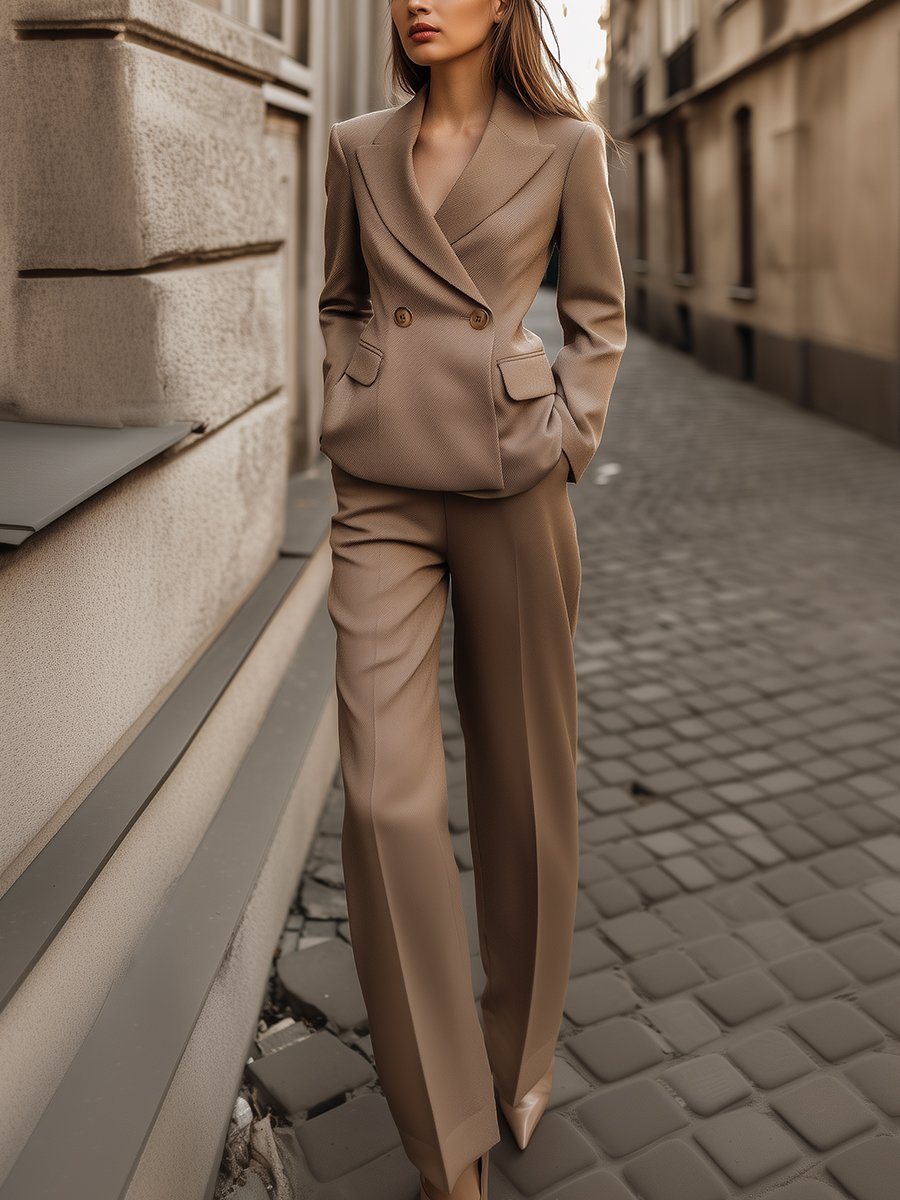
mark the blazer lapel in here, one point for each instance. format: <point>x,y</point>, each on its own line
<point>507,156</point>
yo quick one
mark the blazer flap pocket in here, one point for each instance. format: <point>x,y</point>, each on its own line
<point>364,363</point>
<point>527,376</point>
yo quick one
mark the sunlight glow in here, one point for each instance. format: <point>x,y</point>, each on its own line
<point>582,43</point>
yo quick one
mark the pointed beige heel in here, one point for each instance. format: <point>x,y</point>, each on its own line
<point>483,1164</point>
<point>523,1117</point>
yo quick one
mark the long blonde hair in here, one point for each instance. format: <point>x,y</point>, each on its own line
<point>517,60</point>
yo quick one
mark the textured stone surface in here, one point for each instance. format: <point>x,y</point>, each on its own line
<point>747,1145</point>
<point>708,1083</point>
<point>823,1111</point>
<point>630,1115</point>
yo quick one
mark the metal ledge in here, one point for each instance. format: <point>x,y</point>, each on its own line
<point>47,469</point>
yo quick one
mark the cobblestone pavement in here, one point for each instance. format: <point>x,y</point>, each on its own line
<point>732,1026</point>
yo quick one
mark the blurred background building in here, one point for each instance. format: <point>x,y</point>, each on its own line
<point>759,207</point>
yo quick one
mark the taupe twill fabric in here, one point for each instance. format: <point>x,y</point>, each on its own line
<point>431,379</point>
<point>513,573</point>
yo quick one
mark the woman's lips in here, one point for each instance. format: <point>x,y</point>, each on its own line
<point>424,35</point>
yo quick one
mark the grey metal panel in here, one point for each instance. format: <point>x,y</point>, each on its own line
<point>89,1139</point>
<point>34,908</point>
<point>46,469</point>
<point>310,503</point>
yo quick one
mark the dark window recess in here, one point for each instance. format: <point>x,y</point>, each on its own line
<point>746,362</point>
<point>680,67</point>
<point>639,95</point>
<point>641,248</point>
<point>684,331</point>
<point>744,157</point>
<point>640,307</point>
<point>684,183</point>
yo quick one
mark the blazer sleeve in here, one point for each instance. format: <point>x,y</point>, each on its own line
<point>590,301</point>
<point>345,305</point>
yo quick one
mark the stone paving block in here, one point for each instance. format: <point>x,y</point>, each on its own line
<point>747,1145</point>
<point>790,884</point>
<point>665,973</point>
<point>592,998</point>
<point>823,1111</point>
<point>606,800</point>
<point>323,980</point>
<point>811,974</point>
<point>869,1170</point>
<point>773,939</point>
<point>697,803</point>
<point>826,917</point>
<point>796,841</point>
<point>614,896</point>
<point>318,1069</point>
<point>737,793</point>
<point>586,914</point>
<point>708,1083</point>
<point>843,868</point>
<point>592,868</point>
<point>556,1150</point>
<point>604,829</point>
<point>808,1189</point>
<point>654,884</point>
<point>803,804</point>
<point>673,1171</point>
<point>886,849</point>
<point>770,1058</point>
<point>741,903</point>
<point>627,856</point>
<point>702,835</point>
<point>770,814</point>
<point>835,1029</point>
<point>658,814</point>
<point>344,1138</point>
<point>890,805</point>
<point>726,862</point>
<point>878,1077</point>
<point>883,1003</point>
<point>721,955</point>
<point>892,930</point>
<point>830,828</point>
<point>733,825</point>
<point>638,933</point>
<point>666,843</point>
<point>868,819</point>
<point>692,918</point>
<point>760,849</point>
<point>868,956</point>
<point>683,1024</point>
<point>885,893</point>
<point>616,1048</point>
<point>630,1115</point>
<point>689,872</point>
<point>590,953</point>
<point>739,997</point>
<point>599,1185</point>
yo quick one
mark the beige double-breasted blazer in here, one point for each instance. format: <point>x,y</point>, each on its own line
<point>431,380</point>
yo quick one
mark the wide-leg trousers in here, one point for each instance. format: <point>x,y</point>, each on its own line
<point>513,572</point>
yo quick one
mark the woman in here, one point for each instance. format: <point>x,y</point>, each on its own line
<point>452,438</point>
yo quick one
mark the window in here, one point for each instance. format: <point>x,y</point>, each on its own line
<point>744,171</point>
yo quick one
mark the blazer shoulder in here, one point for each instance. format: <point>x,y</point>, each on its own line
<point>565,130</point>
<point>354,131</point>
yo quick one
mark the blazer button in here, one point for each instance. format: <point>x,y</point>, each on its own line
<point>402,316</point>
<point>478,318</point>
